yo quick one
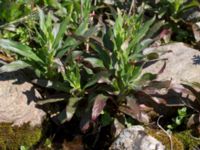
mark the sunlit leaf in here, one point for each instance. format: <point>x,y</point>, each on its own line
<point>67,113</point>
<point>95,62</point>
<point>59,86</point>
<point>61,30</point>
<point>51,100</point>
<point>19,49</point>
<point>14,66</point>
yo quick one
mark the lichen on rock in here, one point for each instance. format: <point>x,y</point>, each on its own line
<point>12,137</point>
<point>164,139</point>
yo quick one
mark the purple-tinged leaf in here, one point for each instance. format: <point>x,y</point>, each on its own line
<point>166,35</point>
<point>157,87</point>
<point>135,113</point>
<point>99,104</point>
<point>193,120</point>
<point>85,122</point>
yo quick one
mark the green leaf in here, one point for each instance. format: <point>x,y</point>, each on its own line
<point>96,78</point>
<point>142,45</point>
<point>20,49</point>
<point>69,44</point>
<point>62,28</point>
<point>103,54</point>
<point>140,33</point>
<point>14,66</point>
<point>68,112</point>
<point>23,148</point>
<point>82,28</point>
<point>148,76</point>
<point>42,21</point>
<point>95,62</point>
<point>90,32</point>
<point>106,119</point>
<point>152,56</point>
<point>136,72</point>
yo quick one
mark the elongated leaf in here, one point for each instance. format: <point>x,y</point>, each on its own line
<point>196,84</point>
<point>141,33</point>
<point>85,122</point>
<point>136,72</point>
<point>91,31</point>
<point>135,113</point>
<point>96,78</point>
<point>19,49</point>
<point>42,21</point>
<point>82,28</point>
<point>62,28</point>
<point>193,120</point>
<point>59,86</point>
<point>69,44</point>
<point>14,66</point>
<point>71,107</point>
<point>103,54</point>
<point>81,35</point>
<point>99,104</point>
<point>160,84</point>
<point>143,44</point>
<point>95,62</point>
<point>51,100</point>
<point>67,113</point>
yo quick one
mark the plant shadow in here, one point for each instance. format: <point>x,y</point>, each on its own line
<point>196,59</point>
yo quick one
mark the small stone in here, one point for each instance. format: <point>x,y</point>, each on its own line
<point>138,139</point>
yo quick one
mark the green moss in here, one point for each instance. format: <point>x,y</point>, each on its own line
<point>11,138</point>
<point>164,139</point>
<point>189,141</point>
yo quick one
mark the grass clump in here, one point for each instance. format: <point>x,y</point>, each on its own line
<point>190,142</point>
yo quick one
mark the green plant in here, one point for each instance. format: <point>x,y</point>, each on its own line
<point>23,148</point>
<point>182,113</point>
<point>176,15</point>
<point>12,10</point>
<point>173,8</point>
<point>105,67</point>
<point>51,56</point>
<point>106,71</point>
<point>120,50</point>
<point>51,47</point>
<point>112,68</point>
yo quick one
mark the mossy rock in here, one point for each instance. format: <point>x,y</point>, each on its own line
<point>12,137</point>
<point>164,139</point>
<point>190,142</point>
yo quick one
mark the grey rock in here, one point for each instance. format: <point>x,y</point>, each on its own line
<point>182,64</point>
<point>17,101</point>
<point>135,138</point>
